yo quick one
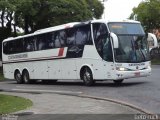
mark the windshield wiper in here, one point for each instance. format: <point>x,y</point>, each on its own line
<point>144,58</point>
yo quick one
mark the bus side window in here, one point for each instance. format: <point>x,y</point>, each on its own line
<point>70,36</point>
<point>29,44</point>
<point>11,47</point>
<point>15,46</point>
<point>83,35</point>
<point>41,42</point>
<point>56,40</point>
<point>100,32</point>
<point>102,42</point>
<point>107,51</point>
<point>50,40</point>
<point>80,37</point>
<point>6,47</point>
<point>62,38</point>
<point>89,39</point>
<point>18,46</point>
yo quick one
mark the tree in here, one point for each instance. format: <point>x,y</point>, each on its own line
<point>37,14</point>
<point>148,12</point>
<point>96,8</point>
<point>32,15</point>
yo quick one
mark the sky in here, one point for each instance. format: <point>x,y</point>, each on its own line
<point>119,9</point>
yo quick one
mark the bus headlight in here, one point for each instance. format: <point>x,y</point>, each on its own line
<point>121,69</point>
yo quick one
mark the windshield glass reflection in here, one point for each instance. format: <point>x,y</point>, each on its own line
<point>132,49</point>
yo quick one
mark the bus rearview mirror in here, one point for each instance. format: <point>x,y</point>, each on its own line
<point>152,40</point>
<point>115,40</point>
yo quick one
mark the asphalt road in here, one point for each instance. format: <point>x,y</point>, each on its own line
<point>141,92</point>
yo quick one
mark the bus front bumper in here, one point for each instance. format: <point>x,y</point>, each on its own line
<point>133,74</point>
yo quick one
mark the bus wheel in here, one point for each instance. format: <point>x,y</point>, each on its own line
<point>87,77</point>
<point>25,77</point>
<point>18,77</point>
<point>118,81</point>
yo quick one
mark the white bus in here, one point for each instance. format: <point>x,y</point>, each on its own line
<point>88,51</point>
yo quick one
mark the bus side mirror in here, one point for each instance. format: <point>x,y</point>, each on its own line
<point>115,40</point>
<point>152,40</point>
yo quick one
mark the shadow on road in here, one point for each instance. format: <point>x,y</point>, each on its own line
<point>79,83</point>
<point>125,84</point>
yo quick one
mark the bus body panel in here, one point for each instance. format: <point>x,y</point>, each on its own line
<point>54,69</point>
<point>101,69</point>
<point>68,69</point>
<point>40,69</point>
<point>8,71</point>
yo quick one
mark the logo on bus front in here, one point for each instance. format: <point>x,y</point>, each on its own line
<point>137,67</point>
<point>136,64</point>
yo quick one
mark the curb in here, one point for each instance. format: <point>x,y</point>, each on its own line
<point>81,95</point>
<point>118,102</point>
<point>69,93</point>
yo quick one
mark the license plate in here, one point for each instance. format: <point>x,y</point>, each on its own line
<point>137,74</point>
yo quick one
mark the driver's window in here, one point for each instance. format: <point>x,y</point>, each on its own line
<point>102,41</point>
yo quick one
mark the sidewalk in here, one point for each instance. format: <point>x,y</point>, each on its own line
<point>47,103</point>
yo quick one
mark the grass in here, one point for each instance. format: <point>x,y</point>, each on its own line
<point>9,104</point>
<point>155,62</point>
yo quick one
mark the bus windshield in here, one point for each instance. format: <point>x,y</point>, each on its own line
<point>132,42</point>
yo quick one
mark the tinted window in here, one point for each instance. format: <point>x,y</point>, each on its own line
<point>18,46</point>
<point>71,36</point>
<point>6,47</point>
<point>29,44</point>
<point>57,40</point>
<point>100,34</point>
<point>102,41</point>
<point>83,35</point>
<point>41,42</point>
<point>79,35</point>
<point>50,40</point>
<point>62,38</point>
<point>13,47</point>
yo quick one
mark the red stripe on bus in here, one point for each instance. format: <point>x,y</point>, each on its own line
<point>61,51</point>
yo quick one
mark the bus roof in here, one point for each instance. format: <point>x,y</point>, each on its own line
<point>108,21</point>
<point>46,30</point>
<point>67,25</point>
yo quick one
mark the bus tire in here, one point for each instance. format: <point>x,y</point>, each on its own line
<point>118,81</point>
<point>87,77</point>
<point>25,77</point>
<point>18,77</point>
